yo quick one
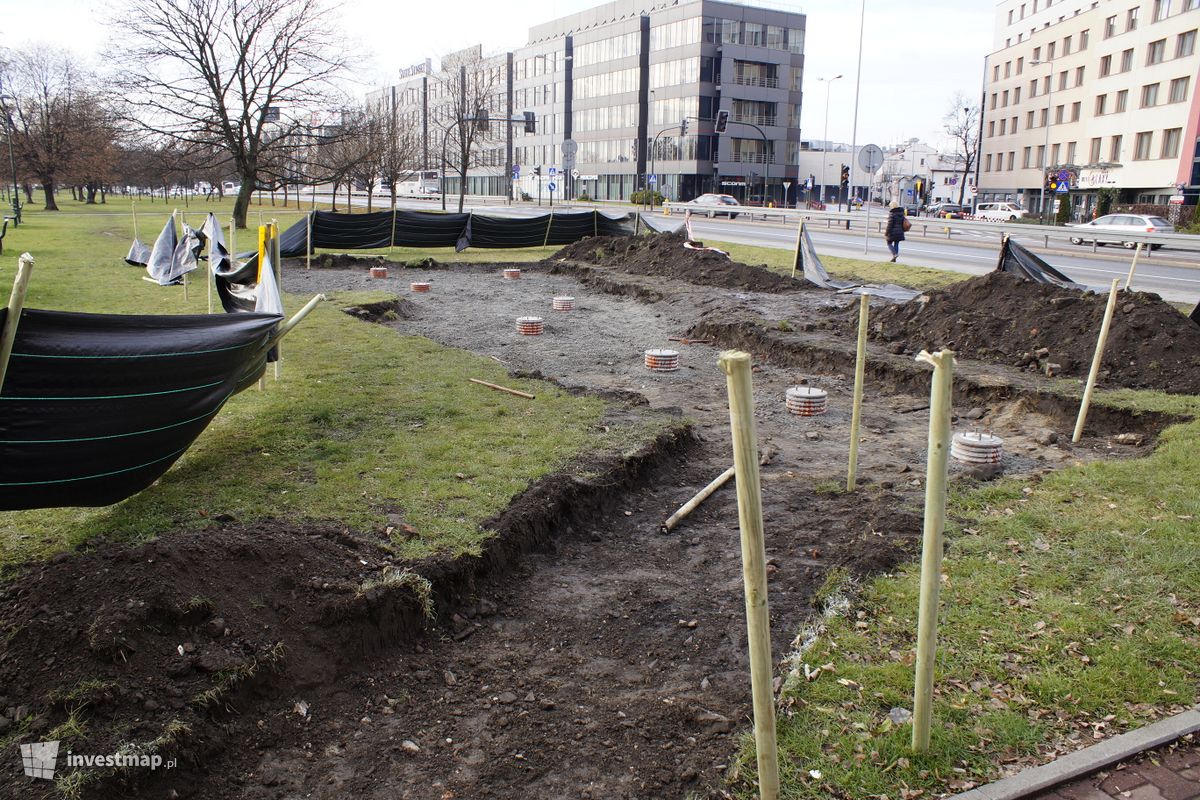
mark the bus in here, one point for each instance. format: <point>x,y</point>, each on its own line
<point>424,182</point>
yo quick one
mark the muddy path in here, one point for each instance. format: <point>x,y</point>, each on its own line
<point>584,653</point>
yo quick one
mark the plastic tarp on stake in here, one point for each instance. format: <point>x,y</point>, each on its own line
<point>159,264</point>
<point>96,407</point>
<point>139,254</point>
<point>1019,260</point>
<point>808,262</point>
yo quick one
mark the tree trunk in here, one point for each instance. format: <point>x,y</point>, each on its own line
<point>370,196</point>
<point>48,189</point>
<point>241,206</point>
<point>28,188</point>
<point>393,195</point>
<point>91,193</point>
<point>333,196</point>
<point>103,194</point>
<point>349,199</point>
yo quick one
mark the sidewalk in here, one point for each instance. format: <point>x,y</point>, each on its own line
<point>1170,773</point>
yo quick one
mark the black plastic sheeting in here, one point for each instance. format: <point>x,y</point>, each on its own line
<point>430,229</point>
<point>808,262</point>
<point>96,407</point>
<point>1019,260</point>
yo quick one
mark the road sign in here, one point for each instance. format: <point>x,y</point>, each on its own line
<point>575,174</point>
<point>553,171</point>
<point>516,172</point>
<point>653,180</point>
<point>1063,187</point>
<point>1064,175</point>
<point>870,158</point>
<point>908,192</point>
<point>569,148</point>
<point>787,185</point>
<point>552,186</point>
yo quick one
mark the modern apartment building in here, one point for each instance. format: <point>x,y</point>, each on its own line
<point>1100,91</point>
<point>614,84</point>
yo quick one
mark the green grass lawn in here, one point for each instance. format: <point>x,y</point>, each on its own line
<point>363,424</point>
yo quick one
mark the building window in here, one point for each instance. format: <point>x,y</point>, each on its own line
<point>1127,60</point>
<point>991,129</point>
<point>1071,152</point>
<point>1170,143</point>
<point>1062,80</point>
<point>1075,111</point>
<point>1017,96</point>
<point>995,73</point>
<point>1058,115</point>
<point>1122,100</point>
<point>1020,65</point>
<point>1066,45</point>
<point>1149,95</point>
<point>1101,105</point>
<point>1010,16</point>
<point>1012,125</point>
<point>1110,27</point>
<point>1046,84</point>
<point>987,163</point>
<point>1041,156</point>
<point>1179,90</point>
<point>1050,51</point>
<point>1028,120</point>
<point>1007,69</point>
<point>1054,151</point>
<point>1141,145</point>
<point>1033,88</point>
<point>1079,76</point>
<point>1083,39</point>
<point>1185,43</point>
<point>1162,10</point>
<point>1037,54</point>
<point>1094,156</point>
<point>1004,99</point>
<point>1114,153</point>
<point>1012,157</point>
<point>993,108</point>
<point>1131,19</point>
<point>1026,155</point>
<point>1105,66</point>
<point>1003,126</point>
<point>1156,52</point>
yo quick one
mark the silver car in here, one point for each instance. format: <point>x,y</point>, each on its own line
<point>1114,228</point>
<point>714,205</point>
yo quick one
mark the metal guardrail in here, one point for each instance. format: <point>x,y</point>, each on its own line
<point>928,227</point>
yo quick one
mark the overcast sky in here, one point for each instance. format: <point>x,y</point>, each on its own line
<point>916,54</point>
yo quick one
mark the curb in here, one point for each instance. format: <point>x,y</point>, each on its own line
<point>1088,760</point>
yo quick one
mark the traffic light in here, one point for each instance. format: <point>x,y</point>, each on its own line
<point>481,119</point>
<point>537,172</point>
<point>683,127</point>
<point>530,122</point>
<point>845,175</point>
<point>722,121</point>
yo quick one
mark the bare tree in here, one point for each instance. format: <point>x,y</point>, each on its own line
<point>467,85</point>
<point>400,157</point>
<point>962,124</point>
<point>53,114</point>
<point>237,74</point>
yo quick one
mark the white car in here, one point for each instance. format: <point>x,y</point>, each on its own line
<point>714,205</point>
<point>1113,228</point>
<point>1000,212</point>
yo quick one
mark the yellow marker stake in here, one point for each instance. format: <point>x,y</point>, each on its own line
<point>860,368</point>
<point>736,366</point>
<point>1133,266</point>
<point>1097,358</point>
<point>931,550</point>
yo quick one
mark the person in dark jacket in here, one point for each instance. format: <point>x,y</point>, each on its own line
<point>894,233</point>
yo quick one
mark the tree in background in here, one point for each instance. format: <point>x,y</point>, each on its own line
<point>400,158</point>
<point>961,124</point>
<point>239,75</point>
<point>56,120</point>
<point>467,84</point>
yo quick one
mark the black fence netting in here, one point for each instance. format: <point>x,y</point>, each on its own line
<point>96,407</point>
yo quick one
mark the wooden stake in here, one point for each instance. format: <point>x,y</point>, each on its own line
<point>860,369</point>
<point>1096,359</point>
<point>736,366</point>
<point>549,223</point>
<point>133,205</point>
<point>700,497</point>
<point>16,304</point>
<point>796,257</point>
<point>500,388</point>
<point>211,264</point>
<point>931,551</point>
<point>308,242</point>
<point>232,240</point>
<point>296,319</point>
<point>1133,266</point>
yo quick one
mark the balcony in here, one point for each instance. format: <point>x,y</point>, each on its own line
<point>753,158</point>
<point>757,119</point>
<point>755,80</point>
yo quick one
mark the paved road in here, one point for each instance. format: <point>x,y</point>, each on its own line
<point>1174,276</point>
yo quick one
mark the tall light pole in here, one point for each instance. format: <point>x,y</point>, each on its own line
<point>1046,148</point>
<point>825,147</point>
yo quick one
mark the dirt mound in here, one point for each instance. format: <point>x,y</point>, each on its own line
<point>1000,317</point>
<point>663,255</point>
<point>343,261</point>
<point>384,310</point>
<point>145,649</point>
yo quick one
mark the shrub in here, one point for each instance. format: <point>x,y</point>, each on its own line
<point>1064,210</point>
<point>639,198</point>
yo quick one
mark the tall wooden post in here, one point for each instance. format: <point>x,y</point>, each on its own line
<point>1097,358</point>
<point>736,366</point>
<point>860,369</point>
<point>931,550</point>
<point>16,304</point>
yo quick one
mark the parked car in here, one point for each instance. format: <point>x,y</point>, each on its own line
<point>946,211</point>
<point>1000,212</point>
<point>1113,228</point>
<point>714,205</point>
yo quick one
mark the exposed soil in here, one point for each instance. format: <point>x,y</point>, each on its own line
<point>583,653</point>
<point>1000,317</point>
<point>663,255</point>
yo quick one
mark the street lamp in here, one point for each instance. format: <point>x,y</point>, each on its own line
<point>12,163</point>
<point>825,154</point>
<point>1046,147</point>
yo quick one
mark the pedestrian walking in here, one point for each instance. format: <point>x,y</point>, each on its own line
<point>897,224</point>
